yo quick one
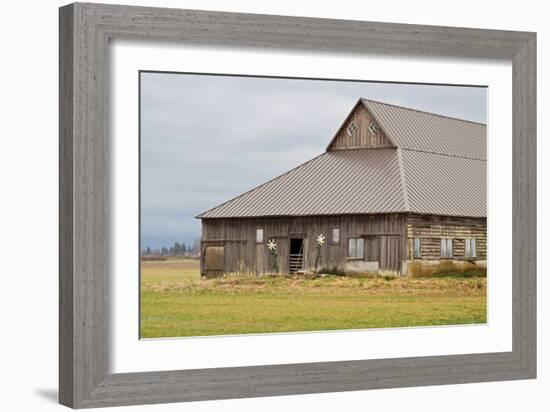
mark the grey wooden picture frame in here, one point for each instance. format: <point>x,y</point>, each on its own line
<point>85,32</point>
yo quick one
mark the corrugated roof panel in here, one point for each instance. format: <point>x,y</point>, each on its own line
<point>416,130</point>
<point>445,185</point>
<point>340,182</point>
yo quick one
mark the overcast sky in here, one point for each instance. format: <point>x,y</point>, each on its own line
<point>206,139</point>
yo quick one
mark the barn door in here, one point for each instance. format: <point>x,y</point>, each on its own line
<point>261,259</point>
<point>390,253</point>
<point>214,258</point>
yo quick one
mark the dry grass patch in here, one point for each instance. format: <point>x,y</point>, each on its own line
<point>176,302</point>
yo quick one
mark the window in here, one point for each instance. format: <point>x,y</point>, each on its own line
<point>356,248</point>
<point>352,129</point>
<point>259,236</point>
<point>446,248</point>
<point>470,248</point>
<point>335,235</point>
<point>416,248</point>
<point>373,128</point>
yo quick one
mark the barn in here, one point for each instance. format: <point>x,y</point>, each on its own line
<point>397,191</point>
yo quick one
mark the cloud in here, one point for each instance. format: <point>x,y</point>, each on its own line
<point>206,139</point>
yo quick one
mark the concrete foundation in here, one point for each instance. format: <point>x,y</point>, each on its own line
<point>361,266</point>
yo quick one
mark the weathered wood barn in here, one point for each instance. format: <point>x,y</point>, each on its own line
<point>396,191</point>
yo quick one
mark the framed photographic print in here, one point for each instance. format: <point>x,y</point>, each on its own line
<point>258,205</point>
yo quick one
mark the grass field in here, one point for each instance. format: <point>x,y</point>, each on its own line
<point>176,302</point>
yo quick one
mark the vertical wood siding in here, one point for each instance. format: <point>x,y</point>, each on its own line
<point>243,254</point>
<point>363,138</point>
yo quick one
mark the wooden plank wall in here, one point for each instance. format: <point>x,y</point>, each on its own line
<point>390,247</point>
<point>430,229</point>
<point>243,254</point>
<point>364,138</point>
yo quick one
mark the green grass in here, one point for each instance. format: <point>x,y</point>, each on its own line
<point>175,302</point>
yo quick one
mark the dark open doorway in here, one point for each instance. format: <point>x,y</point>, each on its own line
<point>296,255</point>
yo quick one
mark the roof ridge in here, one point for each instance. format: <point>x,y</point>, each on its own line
<point>442,154</point>
<point>422,111</point>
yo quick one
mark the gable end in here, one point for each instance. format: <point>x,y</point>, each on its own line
<point>360,130</point>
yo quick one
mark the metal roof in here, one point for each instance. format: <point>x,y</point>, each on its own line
<point>437,167</point>
<point>339,182</point>
<point>445,185</point>
<point>429,132</point>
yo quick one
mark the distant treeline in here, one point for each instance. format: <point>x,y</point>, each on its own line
<point>177,249</point>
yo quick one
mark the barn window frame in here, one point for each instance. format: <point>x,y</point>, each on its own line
<point>356,248</point>
<point>417,248</point>
<point>470,248</point>
<point>446,248</point>
<point>259,235</point>
<point>373,128</point>
<point>335,236</point>
<point>352,129</point>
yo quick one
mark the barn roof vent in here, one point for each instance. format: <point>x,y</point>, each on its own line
<point>352,128</point>
<point>373,127</point>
